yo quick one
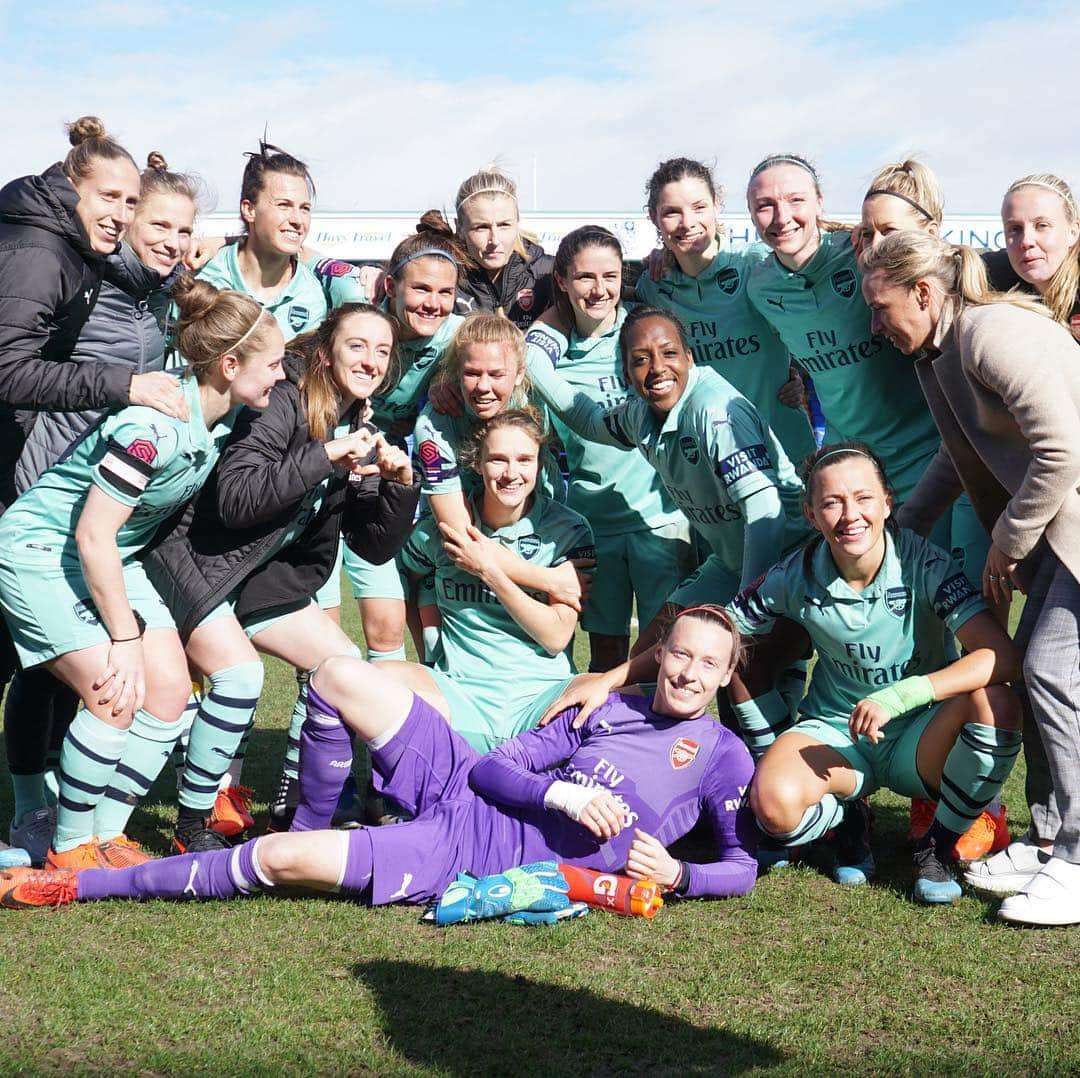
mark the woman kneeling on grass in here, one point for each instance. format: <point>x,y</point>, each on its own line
<point>611,795</point>
<point>879,604</point>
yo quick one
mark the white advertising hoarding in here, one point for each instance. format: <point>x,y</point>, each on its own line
<point>370,237</point>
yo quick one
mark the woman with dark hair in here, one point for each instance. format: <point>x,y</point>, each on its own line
<point>240,569</point>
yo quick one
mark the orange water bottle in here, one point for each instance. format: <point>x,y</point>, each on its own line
<point>608,891</point>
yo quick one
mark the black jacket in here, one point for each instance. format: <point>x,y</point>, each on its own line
<point>217,544</point>
<point>49,281</point>
<point>522,293</point>
<point>1004,278</point>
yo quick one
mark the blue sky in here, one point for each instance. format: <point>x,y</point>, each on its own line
<point>394,103</point>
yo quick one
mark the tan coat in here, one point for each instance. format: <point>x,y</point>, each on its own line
<point>1005,394</point>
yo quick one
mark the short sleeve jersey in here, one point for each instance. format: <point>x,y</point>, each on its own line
<point>438,437</point>
<point>608,486</point>
<point>898,626</point>
<point>417,362</point>
<point>340,281</point>
<point>140,457</point>
<point>712,451</point>
<point>301,305</point>
<point>868,390</point>
<point>729,335</point>
<point>478,633</point>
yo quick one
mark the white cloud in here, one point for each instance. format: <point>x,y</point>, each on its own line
<point>985,105</point>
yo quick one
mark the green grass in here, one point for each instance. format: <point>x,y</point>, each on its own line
<point>801,977</point>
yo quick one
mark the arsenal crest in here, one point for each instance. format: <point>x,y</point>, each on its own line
<point>897,600</point>
<point>525,299</point>
<point>683,753</point>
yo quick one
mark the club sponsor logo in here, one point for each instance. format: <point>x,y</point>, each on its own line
<point>683,753</point>
<point>528,546</point>
<point>898,600</point>
<point>844,283</point>
<point>546,343</point>
<point>688,448</point>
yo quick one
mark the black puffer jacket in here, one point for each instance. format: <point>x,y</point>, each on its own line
<point>126,326</point>
<point>49,281</point>
<point>523,291</point>
<point>220,541</point>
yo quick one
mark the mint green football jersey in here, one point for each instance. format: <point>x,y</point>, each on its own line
<point>898,626</point>
<point>481,641</point>
<point>301,305</point>
<point>712,451</point>
<point>728,334</point>
<point>138,456</point>
<point>867,389</point>
<point>416,363</point>
<point>608,487</point>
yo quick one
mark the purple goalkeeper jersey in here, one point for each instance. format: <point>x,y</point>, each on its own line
<point>484,814</point>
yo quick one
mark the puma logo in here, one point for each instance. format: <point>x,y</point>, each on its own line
<point>190,888</point>
<point>403,890</point>
<point>775,302</point>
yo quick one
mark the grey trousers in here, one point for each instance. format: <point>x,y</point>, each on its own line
<point>1049,639</point>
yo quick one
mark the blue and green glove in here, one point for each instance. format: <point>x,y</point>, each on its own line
<point>530,894</point>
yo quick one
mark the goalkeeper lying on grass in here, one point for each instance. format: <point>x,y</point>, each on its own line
<point>611,795</point>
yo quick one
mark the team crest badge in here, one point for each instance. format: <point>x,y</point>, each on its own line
<point>897,600</point>
<point>528,545</point>
<point>86,611</point>
<point>728,281</point>
<point>298,317</point>
<point>683,753</point>
<point>525,299</point>
<point>844,283</point>
<point>688,448</point>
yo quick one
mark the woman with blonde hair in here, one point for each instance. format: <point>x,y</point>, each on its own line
<point>1041,223</point>
<point>506,270</point>
<point>75,594</point>
<point>1003,384</point>
<point>906,196</point>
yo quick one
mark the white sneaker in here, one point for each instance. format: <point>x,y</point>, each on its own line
<point>1051,898</point>
<point>1008,870</point>
<point>35,833</point>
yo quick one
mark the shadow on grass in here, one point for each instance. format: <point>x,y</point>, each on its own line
<point>464,1022</point>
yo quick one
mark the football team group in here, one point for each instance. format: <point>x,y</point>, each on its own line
<point>848,451</point>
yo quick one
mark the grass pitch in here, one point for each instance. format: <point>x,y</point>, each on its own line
<point>800,977</point>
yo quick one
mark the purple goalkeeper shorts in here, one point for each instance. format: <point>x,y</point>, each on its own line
<point>424,768</point>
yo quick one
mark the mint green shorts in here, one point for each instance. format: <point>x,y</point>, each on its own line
<point>485,722</point>
<point>644,565</point>
<point>50,613</point>
<point>890,764</point>
<point>329,595</point>
<point>373,581</point>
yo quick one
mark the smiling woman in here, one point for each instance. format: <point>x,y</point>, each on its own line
<point>1004,386</point>
<point>78,601</point>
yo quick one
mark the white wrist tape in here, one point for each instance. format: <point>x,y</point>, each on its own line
<point>569,797</point>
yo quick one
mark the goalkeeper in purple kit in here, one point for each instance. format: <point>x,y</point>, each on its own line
<point>610,795</point>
